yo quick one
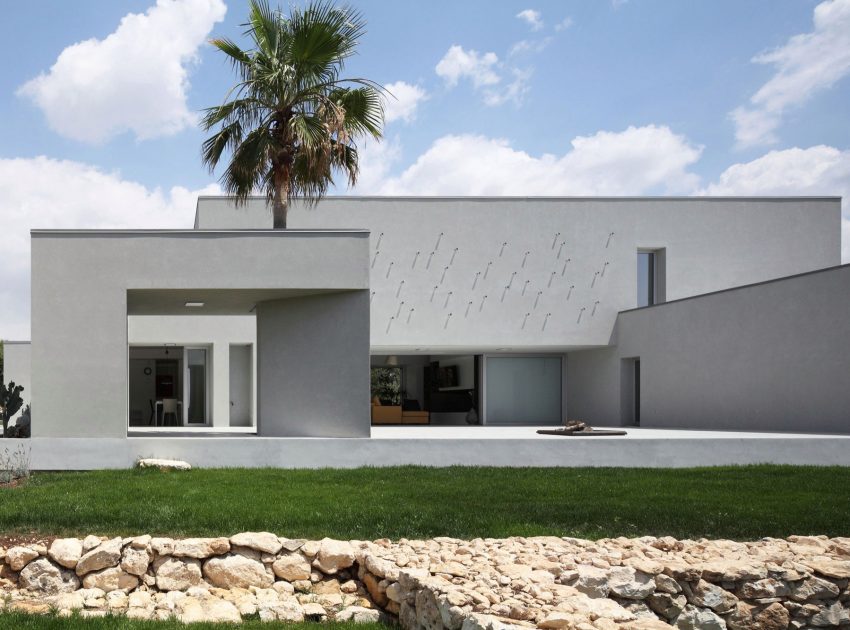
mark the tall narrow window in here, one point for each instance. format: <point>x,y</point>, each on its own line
<point>646,273</point>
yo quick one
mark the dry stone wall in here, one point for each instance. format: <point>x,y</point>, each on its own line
<point>550,583</point>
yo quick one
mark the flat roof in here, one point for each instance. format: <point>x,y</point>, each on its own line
<point>556,198</point>
<point>193,232</point>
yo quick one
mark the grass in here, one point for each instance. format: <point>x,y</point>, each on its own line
<point>21,621</point>
<point>729,502</point>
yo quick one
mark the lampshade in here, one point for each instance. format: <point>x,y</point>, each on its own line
<point>392,360</point>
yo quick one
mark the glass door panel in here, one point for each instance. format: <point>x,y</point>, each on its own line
<point>196,391</point>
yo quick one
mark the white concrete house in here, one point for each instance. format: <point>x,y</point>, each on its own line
<point>679,313</point>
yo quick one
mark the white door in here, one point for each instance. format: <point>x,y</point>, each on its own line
<point>196,386</point>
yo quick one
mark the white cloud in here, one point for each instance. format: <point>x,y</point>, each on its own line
<point>514,91</point>
<point>638,160</point>
<point>45,193</point>
<point>564,24</point>
<point>525,46</point>
<point>402,102</point>
<point>818,170</point>
<point>483,71</point>
<point>806,64</point>
<point>459,64</point>
<point>136,79</point>
<point>532,18</point>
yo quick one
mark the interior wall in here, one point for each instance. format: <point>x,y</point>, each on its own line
<point>241,385</point>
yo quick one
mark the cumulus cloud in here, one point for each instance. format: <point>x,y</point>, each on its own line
<point>484,71</point>
<point>807,64</point>
<point>532,18</point>
<point>402,101</point>
<point>638,160</point>
<point>818,170</point>
<point>46,193</point>
<point>135,79</point>
<point>459,64</point>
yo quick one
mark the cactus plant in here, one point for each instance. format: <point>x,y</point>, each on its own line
<point>10,403</point>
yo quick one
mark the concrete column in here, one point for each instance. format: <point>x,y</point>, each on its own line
<point>220,384</point>
<point>313,366</point>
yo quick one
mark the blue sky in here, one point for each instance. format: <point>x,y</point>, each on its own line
<point>551,97</point>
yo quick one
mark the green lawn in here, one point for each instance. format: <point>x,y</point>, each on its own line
<point>20,621</point>
<point>731,502</point>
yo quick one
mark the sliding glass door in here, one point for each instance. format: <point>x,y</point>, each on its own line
<point>196,389</point>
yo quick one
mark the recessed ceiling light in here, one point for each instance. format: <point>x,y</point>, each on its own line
<point>194,304</point>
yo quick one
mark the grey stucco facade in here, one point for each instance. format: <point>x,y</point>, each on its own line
<point>448,277</point>
<point>773,356</point>
<point>86,284</point>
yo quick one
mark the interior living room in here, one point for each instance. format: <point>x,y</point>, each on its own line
<point>426,389</point>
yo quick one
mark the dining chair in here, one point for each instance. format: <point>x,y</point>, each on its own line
<point>169,406</point>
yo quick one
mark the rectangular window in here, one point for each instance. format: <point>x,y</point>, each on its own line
<point>646,279</point>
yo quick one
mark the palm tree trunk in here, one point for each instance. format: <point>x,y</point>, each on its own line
<point>279,209</point>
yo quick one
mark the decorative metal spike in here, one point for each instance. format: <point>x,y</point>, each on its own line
<point>428,264</point>
<point>439,238</point>
<point>371,297</point>
<point>380,237</point>
<point>445,269</point>
<point>475,281</point>
<point>447,320</point>
<point>448,297</point>
<point>608,242</point>
<point>400,285</point>
<point>375,259</point>
<point>545,319</point>
<point>398,312</point>
<point>555,240</point>
<point>467,309</point>
<point>454,253</point>
<point>525,319</point>
<point>390,323</point>
<point>525,286</point>
<point>484,299</point>
<point>487,269</point>
<point>537,299</point>
<point>595,304</point>
<point>551,277</point>
<point>389,269</point>
<point>415,258</point>
<point>433,292</point>
<point>502,251</point>
<point>578,321</point>
<point>524,258</point>
<point>409,314</point>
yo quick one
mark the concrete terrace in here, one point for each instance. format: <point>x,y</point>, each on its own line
<point>450,446</point>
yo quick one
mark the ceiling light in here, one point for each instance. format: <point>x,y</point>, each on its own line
<point>194,304</point>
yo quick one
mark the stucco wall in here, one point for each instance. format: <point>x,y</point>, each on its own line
<point>433,260</point>
<point>16,367</point>
<point>770,357</point>
<point>80,285</point>
<point>313,358</point>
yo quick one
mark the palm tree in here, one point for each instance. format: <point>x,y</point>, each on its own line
<point>291,121</point>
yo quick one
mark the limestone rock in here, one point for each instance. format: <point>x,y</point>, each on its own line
<point>693,618</point>
<point>162,546</point>
<point>291,567</point>
<point>177,574</point>
<point>90,542</point>
<point>766,588</point>
<point>334,555</point>
<point>111,579</point>
<point>261,541</point>
<point>707,595</point>
<point>200,548</point>
<point>105,555</point>
<point>627,583</point>
<point>193,610</point>
<point>164,464</point>
<point>667,605</point>
<point>45,577</point>
<point>66,552</point>
<point>813,588</point>
<point>135,561</point>
<point>237,571</point>
<point>592,581</point>
<point>358,614</point>
<point>18,557</point>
